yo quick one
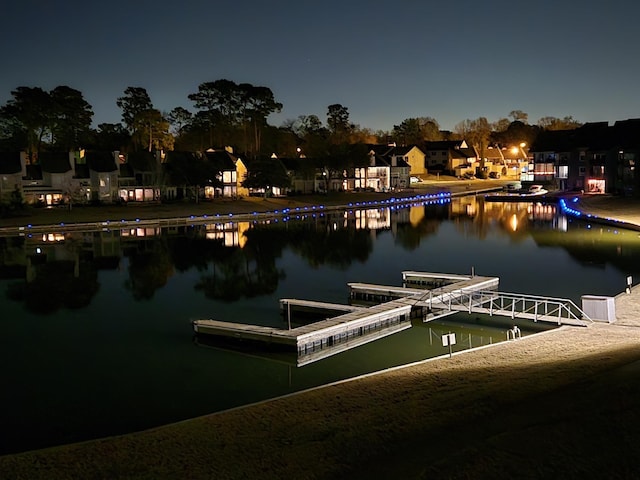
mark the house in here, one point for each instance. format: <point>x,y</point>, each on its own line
<point>413,156</point>
<point>140,176</point>
<point>515,160</point>
<point>184,174</point>
<point>222,165</point>
<point>387,169</point>
<point>596,157</point>
<point>97,172</point>
<point>303,173</point>
<point>453,157</point>
<point>49,178</point>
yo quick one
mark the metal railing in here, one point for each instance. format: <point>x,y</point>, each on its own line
<point>560,310</point>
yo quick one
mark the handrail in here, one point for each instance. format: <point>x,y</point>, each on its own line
<point>516,304</point>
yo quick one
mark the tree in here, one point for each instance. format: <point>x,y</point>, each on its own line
<point>553,123</point>
<point>70,119</point>
<point>519,116</point>
<point>257,104</point>
<point>266,173</point>
<point>134,101</point>
<point>416,130</point>
<point>148,127</point>
<point>476,133</point>
<point>338,122</point>
<point>111,136</point>
<point>516,133</point>
<point>153,129</point>
<point>219,104</point>
<point>179,118</point>
<point>28,116</point>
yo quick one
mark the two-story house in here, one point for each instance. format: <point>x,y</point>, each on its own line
<point>140,176</point>
<point>97,172</point>
<point>387,170</point>
<point>453,157</point>
<point>222,164</point>
<point>49,178</point>
<point>595,158</point>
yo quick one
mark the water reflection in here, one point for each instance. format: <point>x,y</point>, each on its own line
<point>111,310</point>
<point>236,260</point>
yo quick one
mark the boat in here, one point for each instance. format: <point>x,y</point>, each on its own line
<point>534,192</point>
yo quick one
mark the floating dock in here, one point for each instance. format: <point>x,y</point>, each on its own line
<point>390,310</point>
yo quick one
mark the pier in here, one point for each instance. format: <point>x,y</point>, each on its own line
<point>376,311</point>
<point>388,310</point>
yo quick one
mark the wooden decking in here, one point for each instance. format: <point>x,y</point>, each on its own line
<point>391,311</point>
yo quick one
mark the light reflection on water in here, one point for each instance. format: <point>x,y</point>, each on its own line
<point>123,358</point>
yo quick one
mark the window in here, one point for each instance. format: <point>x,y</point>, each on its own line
<point>228,177</point>
<point>563,171</point>
<point>582,171</point>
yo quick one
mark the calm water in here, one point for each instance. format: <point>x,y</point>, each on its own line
<point>99,340</point>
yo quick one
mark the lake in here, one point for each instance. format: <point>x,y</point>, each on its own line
<point>96,336</point>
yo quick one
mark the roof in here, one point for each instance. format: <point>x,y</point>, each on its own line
<point>381,149</point>
<point>221,159</point>
<point>379,161</point>
<point>10,163</point>
<point>443,145</point>
<point>627,134</point>
<point>141,161</point>
<point>403,150</point>
<point>100,161</point>
<point>54,162</point>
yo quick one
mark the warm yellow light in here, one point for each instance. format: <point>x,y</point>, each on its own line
<point>514,150</point>
<point>523,144</point>
<point>514,222</point>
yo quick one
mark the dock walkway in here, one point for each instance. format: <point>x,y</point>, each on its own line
<point>390,311</point>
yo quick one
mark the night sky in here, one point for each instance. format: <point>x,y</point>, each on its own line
<point>384,60</point>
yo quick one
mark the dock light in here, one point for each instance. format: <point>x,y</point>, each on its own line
<point>137,219</point>
<point>38,250</point>
<point>29,226</point>
<point>231,214</point>
<point>62,224</point>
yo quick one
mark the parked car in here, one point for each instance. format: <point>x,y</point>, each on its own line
<point>469,176</point>
<point>494,175</point>
<point>513,187</point>
<point>416,180</point>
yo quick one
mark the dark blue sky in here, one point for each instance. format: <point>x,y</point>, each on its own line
<point>384,60</point>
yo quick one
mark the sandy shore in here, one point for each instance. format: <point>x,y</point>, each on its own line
<point>562,404</point>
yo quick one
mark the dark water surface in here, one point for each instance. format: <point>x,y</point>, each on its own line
<point>98,341</point>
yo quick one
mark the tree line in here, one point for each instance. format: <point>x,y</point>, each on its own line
<point>228,113</point>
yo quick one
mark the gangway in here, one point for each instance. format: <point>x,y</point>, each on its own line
<point>515,305</point>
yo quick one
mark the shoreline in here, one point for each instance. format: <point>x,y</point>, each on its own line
<point>483,414</point>
<point>245,208</point>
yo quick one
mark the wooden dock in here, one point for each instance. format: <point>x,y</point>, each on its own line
<point>391,311</point>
